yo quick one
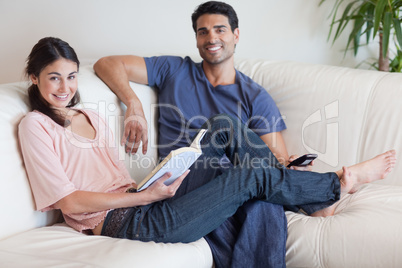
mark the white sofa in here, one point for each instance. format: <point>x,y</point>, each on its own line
<point>344,115</point>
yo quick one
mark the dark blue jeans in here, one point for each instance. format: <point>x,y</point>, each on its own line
<point>252,177</point>
<point>255,236</point>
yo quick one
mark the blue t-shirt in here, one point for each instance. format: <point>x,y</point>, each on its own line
<point>187,99</point>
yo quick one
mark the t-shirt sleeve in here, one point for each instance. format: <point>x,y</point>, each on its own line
<point>265,117</point>
<point>48,180</point>
<point>159,69</point>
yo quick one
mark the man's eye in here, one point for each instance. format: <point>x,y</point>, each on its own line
<point>72,77</point>
<point>54,78</point>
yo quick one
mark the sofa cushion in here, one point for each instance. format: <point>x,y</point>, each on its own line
<point>364,232</point>
<point>61,246</point>
<point>21,245</point>
<point>16,199</point>
<point>324,106</point>
<point>344,115</point>
<point>382,129</point>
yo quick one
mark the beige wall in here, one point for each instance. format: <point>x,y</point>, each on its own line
<point>270,29</point>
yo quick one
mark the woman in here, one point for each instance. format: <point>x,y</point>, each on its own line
<point>72,167</point>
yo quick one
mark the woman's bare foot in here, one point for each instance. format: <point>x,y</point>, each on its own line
<point>351,178</point>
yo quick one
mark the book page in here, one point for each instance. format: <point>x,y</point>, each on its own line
<point>177,162</point>
<point>177,165</point>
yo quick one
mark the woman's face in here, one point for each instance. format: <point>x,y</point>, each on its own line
<point>57,82</point>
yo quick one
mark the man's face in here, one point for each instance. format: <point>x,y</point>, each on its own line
<point>215,39</point>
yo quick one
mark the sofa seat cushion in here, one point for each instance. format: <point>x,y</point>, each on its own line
<point>62,246</point>
<point>364,232</point>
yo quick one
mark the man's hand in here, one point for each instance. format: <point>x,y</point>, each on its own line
<point>116,72</point>
<point>309,167</point>
<point>135,129</point>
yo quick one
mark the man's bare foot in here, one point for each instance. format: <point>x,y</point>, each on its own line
<point>325,212</point>
<point>351,178</point>
<point>368,171</point>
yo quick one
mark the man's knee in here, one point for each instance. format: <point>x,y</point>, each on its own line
<point>223,121</point>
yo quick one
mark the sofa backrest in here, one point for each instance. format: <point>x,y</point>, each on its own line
<point>15,193</point>
<point>344,115</point>
<point>96,95</point>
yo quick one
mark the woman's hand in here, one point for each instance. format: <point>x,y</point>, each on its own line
<point>309,167</point>
<point>159,191</point>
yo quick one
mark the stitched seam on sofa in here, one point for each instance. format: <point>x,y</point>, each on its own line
<point>320,243</point>
<point>366,110</point>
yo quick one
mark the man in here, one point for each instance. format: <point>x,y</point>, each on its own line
<point>190,93</point>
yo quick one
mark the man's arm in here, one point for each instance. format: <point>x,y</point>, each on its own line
<point>116,72</point>
<point>277,146</point>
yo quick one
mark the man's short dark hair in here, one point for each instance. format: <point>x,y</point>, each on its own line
<point>216,7</point>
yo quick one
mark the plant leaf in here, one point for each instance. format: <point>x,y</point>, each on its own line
<point>398,30</point>
<point>378,15</point>
<point>334,11</point>
<point>385,33</point>
<point>344,20</point>
<point>370,21</point>
<point>356,33</point>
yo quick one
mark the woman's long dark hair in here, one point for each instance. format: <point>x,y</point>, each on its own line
<point>45,52</point>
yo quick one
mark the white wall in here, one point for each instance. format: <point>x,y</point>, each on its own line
<point>269,29</point>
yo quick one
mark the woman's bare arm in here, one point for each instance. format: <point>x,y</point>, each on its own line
<point>87,202</point>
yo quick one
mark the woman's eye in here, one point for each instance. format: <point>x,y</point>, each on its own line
<point>54,78</point>
<point>71,77</point>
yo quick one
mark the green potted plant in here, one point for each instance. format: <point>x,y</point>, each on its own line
<point>371,18</point>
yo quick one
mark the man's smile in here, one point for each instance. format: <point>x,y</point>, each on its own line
<point>214,48</point>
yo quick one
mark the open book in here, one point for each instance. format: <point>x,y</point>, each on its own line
<point>177,162</point>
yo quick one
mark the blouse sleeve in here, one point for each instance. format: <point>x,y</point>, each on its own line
<point>48,180</point>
